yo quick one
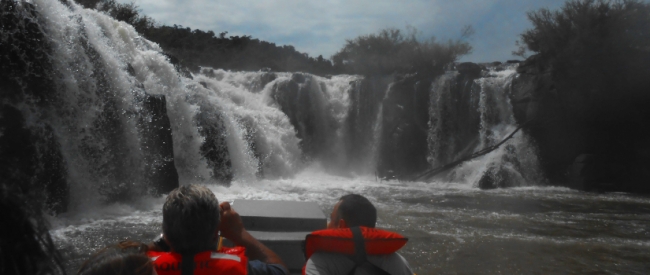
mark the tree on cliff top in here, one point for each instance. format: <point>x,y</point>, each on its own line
<point>193,48</point>
<point>596,55</point>
<point>601,48</point>
<point>396,51</point>
<point>586,32</point>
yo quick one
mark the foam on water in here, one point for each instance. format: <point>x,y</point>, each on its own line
<point>455,219</point>
<point>104,69</point>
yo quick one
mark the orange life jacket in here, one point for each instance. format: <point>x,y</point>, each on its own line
<point>224,261</point>
<point>340,240</point>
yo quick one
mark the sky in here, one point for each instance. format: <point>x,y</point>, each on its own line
<point>322,27</point>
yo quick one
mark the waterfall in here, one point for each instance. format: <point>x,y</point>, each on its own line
<point>114,119</point>
<point>469,114</point>
<point>260,138</point>
<point>110,85</point>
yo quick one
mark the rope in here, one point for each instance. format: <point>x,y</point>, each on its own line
<point>434,171</point>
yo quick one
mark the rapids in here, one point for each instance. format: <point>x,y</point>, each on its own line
<point>452,228</point>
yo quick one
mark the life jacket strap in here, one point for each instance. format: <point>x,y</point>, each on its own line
<point>360,256</point>
<point>359,245</point>
<point>187,264</point>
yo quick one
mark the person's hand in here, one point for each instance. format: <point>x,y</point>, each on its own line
<point>231,225</point>
<point>232,228</point>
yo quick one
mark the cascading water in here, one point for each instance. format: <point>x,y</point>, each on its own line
<point>224,125</point>
<point>468,115</point>
<point>110,115</point>
<point>234,125</point>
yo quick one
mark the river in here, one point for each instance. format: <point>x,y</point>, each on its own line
<point>452,228</point>
<point>300,137</point>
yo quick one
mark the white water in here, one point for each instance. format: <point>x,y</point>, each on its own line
<point>238,104</point>
<point>517,158</point>
<point>454,227</point>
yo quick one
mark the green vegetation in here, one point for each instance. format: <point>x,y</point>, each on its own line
<point>596,35</point>
<point>591,68</point>
<point>393,51</point>
<point>199,48</point>
<point>600,49</point>
<point>389,51</point>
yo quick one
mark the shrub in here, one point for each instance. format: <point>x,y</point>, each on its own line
<point>395,51</point>
<point>590,31</point>
<point>600,48</point>
<point>597,56</point>
<point>200,48</point>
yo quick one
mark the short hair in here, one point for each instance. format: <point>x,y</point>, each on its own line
<point>125,258</point>
<point>191,219</point>
<point>356,210</point>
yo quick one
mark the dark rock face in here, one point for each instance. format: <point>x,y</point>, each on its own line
<point>298,78</point>
<point>470,69</point>
<point>180,68</point>
<point>215,149</point>
<point>305,103</point>
<point>454,117</point>
<point>361,125</point>
<point>534,97</point>
<point>156,138</point>
<point>404,128</point>
<point>31,161</point>
<point>583,112</point>
<point>25,233</point>
<point>296,105</point>
<point>30,156</point>
<point>24,62</point>
<point>597,173</point>
<point>266,79</point>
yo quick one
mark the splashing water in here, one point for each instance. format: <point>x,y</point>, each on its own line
<point>283,136</point>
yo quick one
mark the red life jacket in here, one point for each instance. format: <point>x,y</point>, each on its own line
<point>340,240</point>
<point>228,260</point>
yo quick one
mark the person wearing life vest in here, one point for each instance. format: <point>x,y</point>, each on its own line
<point>190,245</point>
<point>352,245</point>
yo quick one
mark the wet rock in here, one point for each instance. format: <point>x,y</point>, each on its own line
<point>533,65</point>
<point>182,69</point>
<point>575,114</point>
<point>403,147</point>
<point>30,156</point>
<point>214,148</point>
<point>300,103</point>
<point>267,77</point>
<point>591,172</point>
<point>157,143</point>
<point>496,177</point>
<point>365,95</point>
<point>30,159</point>
<point>298,78</point>
<point>469,69</point>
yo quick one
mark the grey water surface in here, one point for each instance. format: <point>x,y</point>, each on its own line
<point>452,229</point>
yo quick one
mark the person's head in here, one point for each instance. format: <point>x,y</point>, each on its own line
<point>353,210</point>
<point>191,219</point>
<point>125,258</point>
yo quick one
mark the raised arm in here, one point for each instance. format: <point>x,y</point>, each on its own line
<point>232,228</point>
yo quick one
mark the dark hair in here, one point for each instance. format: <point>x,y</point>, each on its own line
<point>356,210</point>
<point>191,219</point>
<point>26,246</point>
<point>125,258</point>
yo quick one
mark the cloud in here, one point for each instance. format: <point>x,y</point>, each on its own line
<point>321,27</point>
